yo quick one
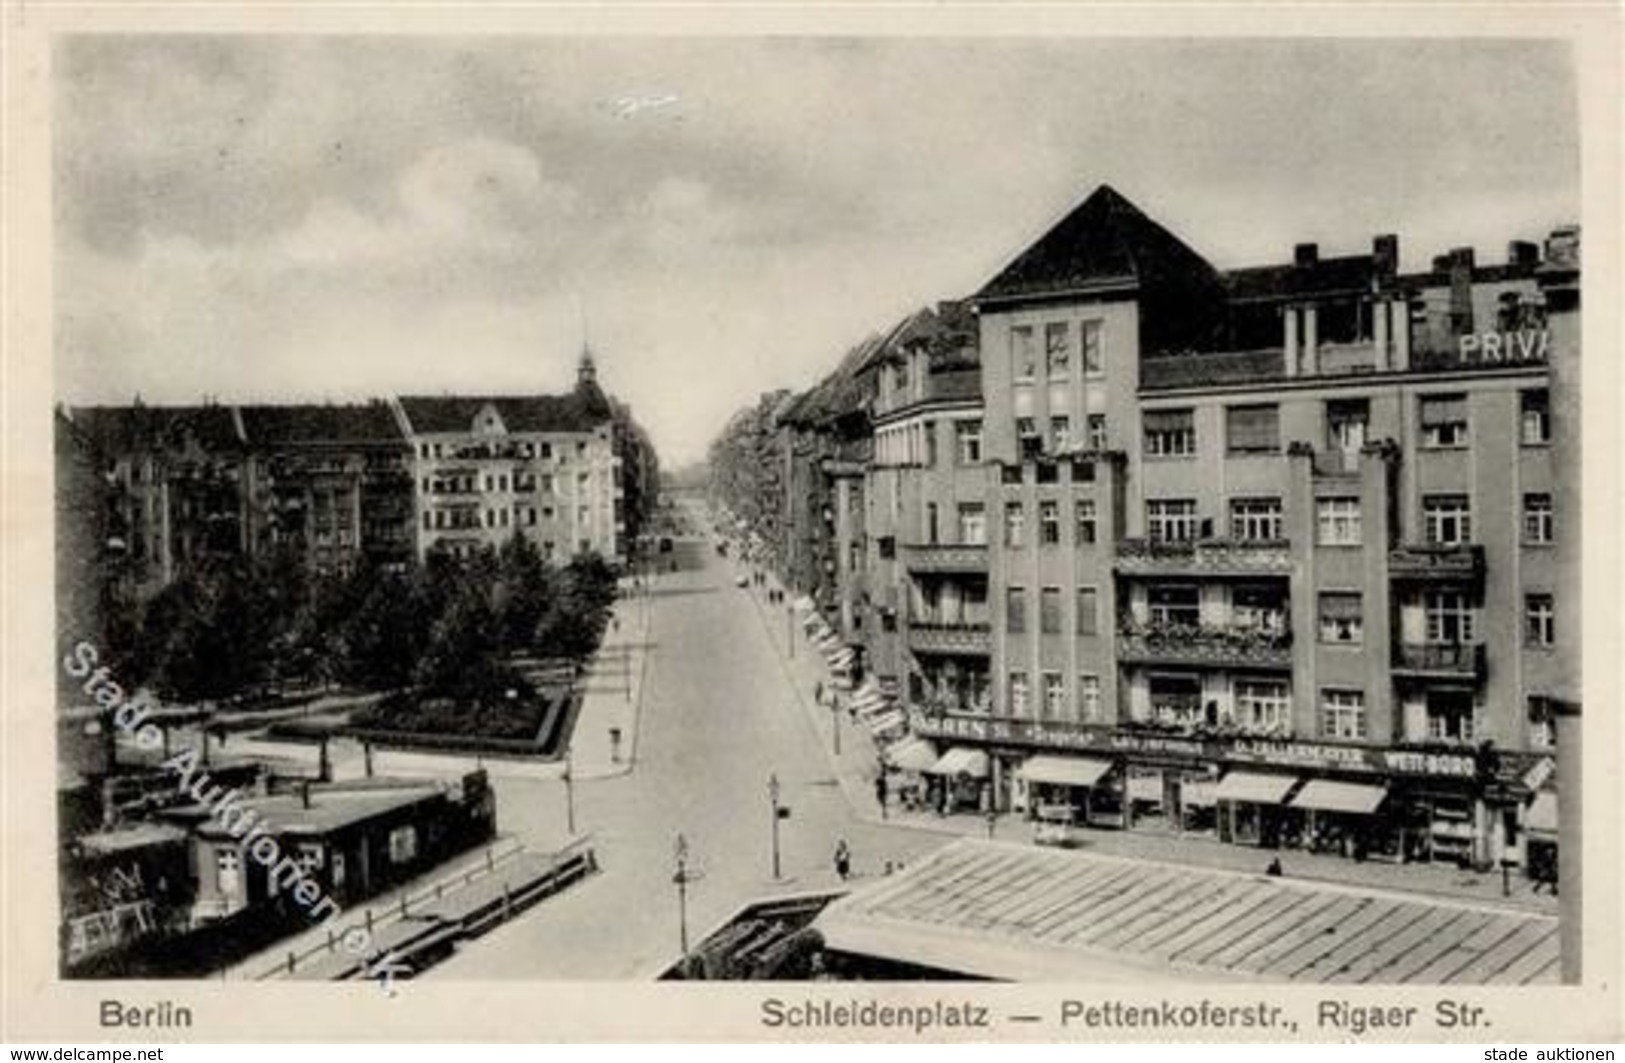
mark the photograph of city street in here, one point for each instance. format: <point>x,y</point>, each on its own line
<point>816,509</point>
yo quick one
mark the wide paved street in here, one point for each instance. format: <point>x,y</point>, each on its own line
<point>717,720</point>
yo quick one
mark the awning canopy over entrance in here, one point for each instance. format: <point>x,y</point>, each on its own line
<point>887,721</point>
<point>1543,813</point>
<point>961,760</point>
<point>1327,795</point>
<point>911,754</point>
<point>1064,771</point>
<point>1253,787</point>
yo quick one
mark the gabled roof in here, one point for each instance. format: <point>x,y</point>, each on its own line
<point>370,422</point>
<point>1105,241</point>
<point>577,411</point>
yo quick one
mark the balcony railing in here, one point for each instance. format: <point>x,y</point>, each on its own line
<point>941,558</point>
<point>950,638</point>
<point>1215,557</point>
<point>1226,647</point>
<point>1453,660</point>
<point>1464,562</point>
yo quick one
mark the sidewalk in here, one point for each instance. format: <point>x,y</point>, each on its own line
<point>612,692</point>
<point>858,762</point>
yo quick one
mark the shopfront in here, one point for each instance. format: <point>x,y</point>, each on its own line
<point>1088,788</point>
<point>1540,847</point>
<point>1253,809</point>
<point>1350,819</point>
<point>958,781</point>
<point>1166,797</point>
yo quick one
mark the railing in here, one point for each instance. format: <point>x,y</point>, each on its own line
<point>959,557</point>
<point>1436,562</point>
<point>950,638</point>
<point>1203,645</point>
<point>1446,659</point>
<point>1205,557</point>
<point>1336,462</point>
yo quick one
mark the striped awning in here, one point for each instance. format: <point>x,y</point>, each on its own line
<point>887,721</point>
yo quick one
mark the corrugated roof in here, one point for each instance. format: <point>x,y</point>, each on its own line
<point>1105,241</point>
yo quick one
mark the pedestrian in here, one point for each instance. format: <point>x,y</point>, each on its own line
<point>843,860</point>
<point>880,793</point>
<point>1274,870</point>
<point>818,692</point>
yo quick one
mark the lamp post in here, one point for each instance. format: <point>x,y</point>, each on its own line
<point>681,878</point>
<point>835,722</point>
<point>778,813</point>
<point>569,793</point>
<point>790,628</point>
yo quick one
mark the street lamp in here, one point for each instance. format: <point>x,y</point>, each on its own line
<point>835,722</point>
<point>790,628</point>
<point>682,879</point>
<point>778,814</point>
<point>569,793</point>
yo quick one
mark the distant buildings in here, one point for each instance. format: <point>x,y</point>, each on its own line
<point>1274,553</point>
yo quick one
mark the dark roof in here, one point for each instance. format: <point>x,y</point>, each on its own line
<point>1352,273</point>
<point>1104,241</point>
<point>122,429</point>
<point>371,422</point>
<point>578,411</point>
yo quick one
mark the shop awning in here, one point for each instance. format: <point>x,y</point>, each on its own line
<point>803,604</point>
<point>1064,771</point>
<point>867,701</point>
<point>840,658</point>
<point>1198,794</point>
<point>961,760</point>
<point>886,721</point>
<point>1543,813</point>
<point>1327,795</point>
<point>1252,787</point>
<point>1145,788</point>
<point>911,754</point>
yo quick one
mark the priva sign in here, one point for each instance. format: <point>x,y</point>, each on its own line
<point>1496,348</point>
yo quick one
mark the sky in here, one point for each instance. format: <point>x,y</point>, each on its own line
<point>283,219</point>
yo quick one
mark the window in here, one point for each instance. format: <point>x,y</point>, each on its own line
<point>1253,429</point>
<point>1046,472</point>
<point>1088,611</point>
<point>1255,519</point>
<point>1534,417</point>
<point>1260,608</point>
<point>1176,699</point>
<point>1015,610</point>
<point>1342,714</point>
<point>968,442</point>
<point>1539,621</point>
<point>1061,431</point>
<point>1023,357</point>
<point>403,844</point>
<point>972,524</point>
<point>1049,523</point>
<point>1262,706</point>
<point>1451,618</point>
<point>228,871</point>
<point>1096,425</point>
<point>1018,693</point>
<point>1342,618</point>
<point>1027,437</point>
<point>1174,605</point>
<point>1542,727</point>
<point>886,546</point>
<point>1054,696</point>
<point>1171,519</point>
<point>1086,521</point>
<point>931,523</point>
<point>1446,520</point>
<point>1347,421</point>
<point>1169,433</point>
<point>1049,610</point>
<point>1015,524</point>
<point>1094,353</point>
<point>1089,698</point>
<point>1083,472</point>
<point>1338,521</point>
<point>1444,421</point>
<point>1451,717</point>
<point>1057,348</point>
<point>899,378</point>
<point>1537,520</point>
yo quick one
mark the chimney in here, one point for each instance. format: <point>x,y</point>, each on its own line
<point>1523,253</point>
<point>1461,290</point>
<point>1305,254</point>
<point>1385,256</point>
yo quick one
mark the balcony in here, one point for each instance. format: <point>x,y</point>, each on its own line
<point>1205,646</point>
<point>1440,661</point>
<point>958,639</point>
<point>1209,557</point>
<point>1463,562</point>
<point>959,558</point>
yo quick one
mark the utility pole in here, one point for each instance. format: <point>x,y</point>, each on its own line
<point>569,793</point>
<point>681,878</point>
<point>778,814</point>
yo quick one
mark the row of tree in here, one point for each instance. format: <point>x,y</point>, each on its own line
<point>446,627</point>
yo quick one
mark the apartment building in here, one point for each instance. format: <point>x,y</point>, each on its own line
<point>487,468</point>
<point>1273,552</point>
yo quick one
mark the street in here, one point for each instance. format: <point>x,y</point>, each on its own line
<point>718,719</point>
